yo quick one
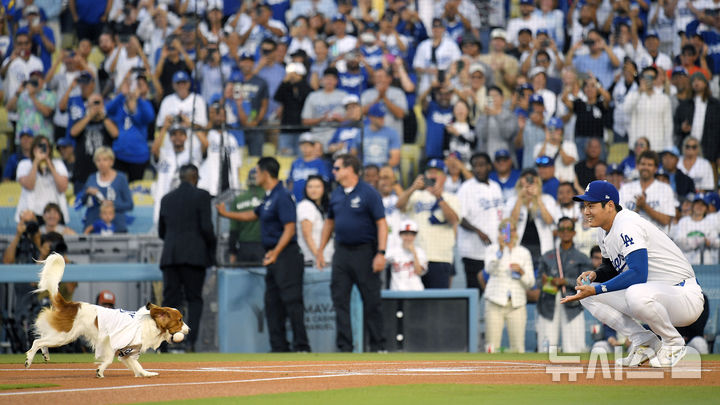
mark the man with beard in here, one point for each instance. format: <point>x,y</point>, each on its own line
<point>653,200</point>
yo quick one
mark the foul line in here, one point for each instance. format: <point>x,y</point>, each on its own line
<point>167,385</point>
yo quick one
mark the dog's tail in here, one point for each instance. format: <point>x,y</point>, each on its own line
<point>51,274</point>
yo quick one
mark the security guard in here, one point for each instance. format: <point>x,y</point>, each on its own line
<point>284,261</point>
<point>357,216</point>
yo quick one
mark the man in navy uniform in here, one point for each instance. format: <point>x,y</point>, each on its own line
<point>357,216</point>
<point>283,259</point>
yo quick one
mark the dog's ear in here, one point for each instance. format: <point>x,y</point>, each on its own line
<point>160,316</point>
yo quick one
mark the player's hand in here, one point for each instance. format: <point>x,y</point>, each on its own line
<point>378,263</point>
<point>590,275</point>
<point>270,257</point>
<point>583,291</point>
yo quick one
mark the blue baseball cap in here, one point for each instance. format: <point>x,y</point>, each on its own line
<point>236,77</point>
<point>502,154</point>
<point>544,161</point>
<point>527,3</point>
<point>652,34</point>
<point>27,131</point>
<point>64,141</point>
<point>339,17</point>
<point>247,56</point>
<point>377,110</point>
<point>180,76</point>
<point>525,86</point>
<point>215,99</point>
<point>672,150</point>
<point>599,191</point>
<point>542,31</point>
<point>615,169</point>
<point>713,199</point>
<point>556,123</point>
<point>537,99</point>
<point>679,70</point>
<point>435,164</point>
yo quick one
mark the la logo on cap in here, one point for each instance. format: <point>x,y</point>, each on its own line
<point>607,197</point>
<point>587,188</point>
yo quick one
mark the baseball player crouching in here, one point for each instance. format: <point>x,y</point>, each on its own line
<point>644,277</point>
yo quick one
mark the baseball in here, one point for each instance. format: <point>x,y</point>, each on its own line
<point>178,337</point>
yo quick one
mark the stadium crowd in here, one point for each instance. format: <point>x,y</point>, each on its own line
<point>513,107</point>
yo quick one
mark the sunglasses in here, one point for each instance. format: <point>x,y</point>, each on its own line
<point>543,161</point>
<point>691,146</point>
<point>336,168</point>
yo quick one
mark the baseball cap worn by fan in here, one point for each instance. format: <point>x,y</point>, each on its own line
<point>377,110</point>
<point>502,154</point>
<point>537,99</point>
<point>436,164</point>
<point>307,137</point>
<point>555,123</point>
<point>180,76</point>
<point>599,191</point>
<point>351,99</point>
<point>106,297</point>
<point>408,225</point>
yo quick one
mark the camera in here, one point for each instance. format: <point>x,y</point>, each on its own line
<point>96,102</point>
<point>124,38</point>
<point>33,82</point>
<point>138,69</point>
<point>460,65</point>
<point>31,227</point>
<point>428,181</point>
<point>589,42</point>
<point>84,79</point>
<point>529,179</point>
<point>441,76</point>
<point>545,43</point>
<point>43,147</point>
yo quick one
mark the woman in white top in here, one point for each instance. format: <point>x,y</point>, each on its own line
<point>695,166</point>
<point>53,218</point>
<point>43,180</point>
<point>697,234</point>
<point>564,152</point>
<point>311,212</point>
<point>511,274</point>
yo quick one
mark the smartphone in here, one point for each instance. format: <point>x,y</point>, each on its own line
<point>506,233</point>
<point>33,82</point>
<point>43,147</point>
<point>441,76</point>
<point>589,42</point>
<point>428,181</point>
<point>460,65</point>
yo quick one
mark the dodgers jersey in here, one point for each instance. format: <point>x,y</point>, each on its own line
<point>631,232</point>
<point>482,205</point>
<point>659,196</point>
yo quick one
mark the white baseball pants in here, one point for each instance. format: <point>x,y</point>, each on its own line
<point>658,305</point>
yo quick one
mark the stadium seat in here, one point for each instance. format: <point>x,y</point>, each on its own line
<point>248,163</point>
<point>617,152</point>
<point>10,194</point>
<point>142,193</point>
<point>269,149</point>
<point>285,165</point>
<point>409,162</point>
<point>5,126</point>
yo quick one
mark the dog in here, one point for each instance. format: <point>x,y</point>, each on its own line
<point>109,331</point>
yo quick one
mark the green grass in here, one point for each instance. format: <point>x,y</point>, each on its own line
<point>219,357</point>
<point>463,394</point>
<point>5,387</point>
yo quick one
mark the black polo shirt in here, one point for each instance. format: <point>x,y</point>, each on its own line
<point>356,213</point>
<point>276,210</point>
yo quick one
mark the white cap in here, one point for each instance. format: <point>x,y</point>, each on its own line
<point>296,67</point>
<point>536,70</point>
<point>408,225</point>
<point>351,98</point>
<point>367,37</point>
<point>214,4</point>
<point>307,137</point>
<point>476,67</point>
<point>498,33</point>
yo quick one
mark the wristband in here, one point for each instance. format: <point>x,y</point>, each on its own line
<point>382,252</point>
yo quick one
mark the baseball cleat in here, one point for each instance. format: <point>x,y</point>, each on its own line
<point>668,356</point>
<point>637,355</point>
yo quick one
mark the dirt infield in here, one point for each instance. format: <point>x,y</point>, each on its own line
<point>76,383</point>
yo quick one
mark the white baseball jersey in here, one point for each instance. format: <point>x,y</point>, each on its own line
<point>482,205</point>
<point>690,236</point>
<point>403,276</point>
<point>210,168</point>
<point>174,105</point>
<point>123,328</point>
<point>659,196</point>
<point>631,232</point>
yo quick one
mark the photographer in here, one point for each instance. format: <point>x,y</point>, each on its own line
<point>211,71</point>
<point>92,128</point>
<point>34,105</point>
<point>41,36</point>
<point>129,56</point>
<point>173,58</point>
<point>17,66</point>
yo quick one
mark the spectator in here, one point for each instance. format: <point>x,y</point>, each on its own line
<point>381,144</point>
<point>585,168</point>
<point>106,185</point>
<point>44,179</point>
<point>460,135</point>
<point>88,17</point>
<point>545,166</point>
<point>629,164</point>
<point>300,38</point>
<point>357,216</point>
<point>651,55</point>
<point>155,28</point>
<point>601,61</point>
<point>560,268</point>
<point>130,56</point>
<point>353,79</point>
<point>104,224</point>
<point>73,102</point>
<point>526,21</point>
<point>616,175</point>
<point>496,124</point>
<point>340,42</point>
<point>564,153</point>
<point>566,206</point>
<point>481,204</point>
<point>552,21</point>
<point>310,163</point>
<point>91,128</point>
<point>650,112</point>
<point>244,243</point>
<point>475,93</point>
<point>624,85</point>
<point>54,222</point>
<point>212,71</point>
<point>697,234</point>
<point>185,221</point>
<point>182,102</point>
<point>456,24</point>
<point>545,55</point>
<point>681,184</point>
<point>106,299</point>
<point>270,69</point>
<point>438,113</point>
<point>344,141</point>
<point>169,159</point>
<point>504,173</point>
<point>21,152</point>
<point>291,96</point>
<point>223,159</point>
<point>653,200</point>
<point>698,116</point>
<point>408,262</point>
<point>311,213</point>
<point>133,114</point>
<point>457,173</point>
<point>319,64</point>
<point>391,97</point>
<point>511,274</point>
<point>683,91</point>
<point>505,67</point>
<point>41,36</point>
<point>389,190</point>
<point>393,42</point>
<point>435,55</point>
<point>17,67</point>
<point>435,212</point>
<point>538,78</point>
<point>371,175</point>
<point>689,60</point>
<point>530,133</point>
<point>321,107</point>
<point>591,110</point>
<point>534,213</point>
<point>695,166</point>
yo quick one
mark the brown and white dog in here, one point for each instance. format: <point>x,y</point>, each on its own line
<point>110,331</point>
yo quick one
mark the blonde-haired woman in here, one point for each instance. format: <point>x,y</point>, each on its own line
<point>511,275</point>
<point>106,184</point>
